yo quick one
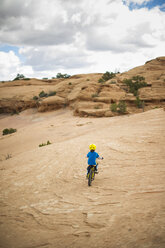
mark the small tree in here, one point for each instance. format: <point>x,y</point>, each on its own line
<point>19,77</point>
<point>60,75</point>
<point>135,83</point>
<point>139,103</point>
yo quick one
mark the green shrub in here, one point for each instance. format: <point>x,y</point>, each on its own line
<point>95,95</point>
<point>113,107</point>
<point>45,144</point>
<point>121,107</point>
<point>19,77</point>
<point>100,80</point>
<point>135,83</point>
<point>26,79</point>
<point>108,75</point>
<point>52,93</point>
<point>35,98</point>
<point>45,78</point>
<point>43,94</point>
<point>60,75</point>
<point>139,103</point>
<point>9,130</point>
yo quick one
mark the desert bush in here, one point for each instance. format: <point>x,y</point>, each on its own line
<point>60,75</point>
<point>135,83</point>
<point>95,95</point>
<point>45,78</point>
<point>139,103</point>
<point>106,76</point>
<point>19,77</point>
<point>35,98</point>
<point>26,79</point>
<point>43,94</point>
<point>101,80</point>
<point>9,130</point>
<point>45,144</point>
<point>52,93</point>
<point>69,83</point>
<point>121,107</point>
<point>113,107</point>
<point>88,79</point>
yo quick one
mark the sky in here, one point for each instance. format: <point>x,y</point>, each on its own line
<point>40,38</point>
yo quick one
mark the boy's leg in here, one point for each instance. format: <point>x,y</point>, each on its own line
<point>88,169</point>
<point>96,167</point>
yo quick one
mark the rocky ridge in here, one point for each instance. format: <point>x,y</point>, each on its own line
<point>84,94</point>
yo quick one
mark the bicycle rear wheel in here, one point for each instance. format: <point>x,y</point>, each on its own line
<point>90,178</point>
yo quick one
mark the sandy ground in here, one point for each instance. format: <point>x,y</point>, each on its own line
<point>44,197</point>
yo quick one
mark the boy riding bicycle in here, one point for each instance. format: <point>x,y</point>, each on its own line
<point>92,156</point>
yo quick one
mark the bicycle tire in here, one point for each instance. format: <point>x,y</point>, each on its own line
<point>90,178</point>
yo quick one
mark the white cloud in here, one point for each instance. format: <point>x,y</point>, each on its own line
<point>53,58</point>
<point>10,65</point>
<point>79,36</point>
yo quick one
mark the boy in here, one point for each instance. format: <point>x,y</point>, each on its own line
<point>92,155</point>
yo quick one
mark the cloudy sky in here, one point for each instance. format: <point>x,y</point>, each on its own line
<point>40,38</point>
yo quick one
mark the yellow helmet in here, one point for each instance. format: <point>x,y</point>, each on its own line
<point>92,147</point>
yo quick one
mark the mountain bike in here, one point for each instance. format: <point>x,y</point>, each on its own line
<point>92,172</point>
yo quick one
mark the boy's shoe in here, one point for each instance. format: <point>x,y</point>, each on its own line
<point>96,172</point>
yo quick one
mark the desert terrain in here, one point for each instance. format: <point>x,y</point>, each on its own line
<point>44,197</point>
<point>45,200</point>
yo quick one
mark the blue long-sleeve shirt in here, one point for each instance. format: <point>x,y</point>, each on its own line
<point>92,158</point>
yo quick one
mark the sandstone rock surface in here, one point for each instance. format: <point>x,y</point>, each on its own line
<point>19,95</point>
<point>44,197</point>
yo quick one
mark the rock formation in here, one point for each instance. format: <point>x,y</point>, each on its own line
<point>84,94</point>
